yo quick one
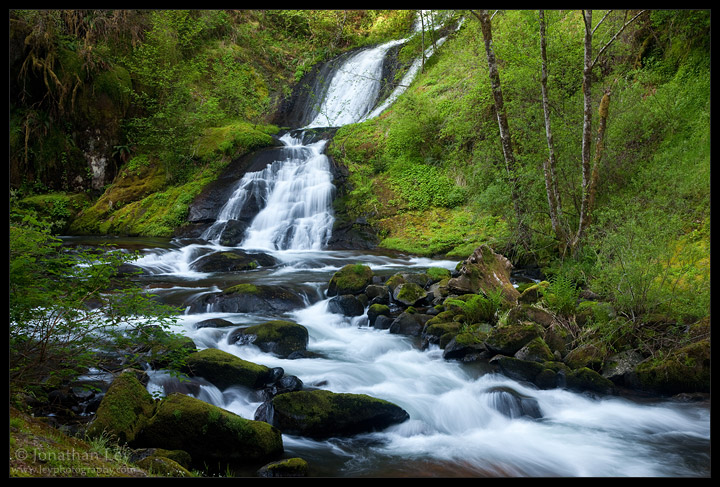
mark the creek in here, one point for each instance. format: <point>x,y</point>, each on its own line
<point>462,423</point>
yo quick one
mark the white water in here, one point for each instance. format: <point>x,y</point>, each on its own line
<point>455,427</point>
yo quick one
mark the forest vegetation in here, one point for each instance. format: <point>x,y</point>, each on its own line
<point>119,118</point>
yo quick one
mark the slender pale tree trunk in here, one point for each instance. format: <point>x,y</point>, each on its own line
<point>551,188</point>
<point>510,164</point>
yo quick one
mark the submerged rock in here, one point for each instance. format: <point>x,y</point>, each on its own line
<point>324,414</point>
<point>513,404</point>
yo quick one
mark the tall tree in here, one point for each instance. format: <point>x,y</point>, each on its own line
<point>590,165</point>
<point>551,186</point>
<point>510,164</point>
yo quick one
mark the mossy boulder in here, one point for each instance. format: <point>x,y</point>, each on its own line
<point>224,369</point>
<point>409,294</point>
<point>124,410</point>
<point>324,414</point>
<point>591,354</point>
<point>163,467</point>
<point>350,279</point>
<point>248,298</point>
<point>435,330</point>
<point>686,369</point>
<point>527,312</point>
<point>289,467</point>
<point>587,380</point>
<point>484,271</point>
<point>468,345</point>
<point>376,310</point>
<point>279,337</point>
<point>508,339</point>
<point>438,274</point>
<point>210,434</point>
<point>536,350</point>
<point>545,375</point>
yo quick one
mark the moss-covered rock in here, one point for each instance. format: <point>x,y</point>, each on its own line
<point>545,375</point>
<point>533,293</point>
<point>290,467</point>
<point>438,274</point>
<point>409,294</point>
<point>224,369</point>
<point>210,434</point>
<point>248,298</point>
<point>160,466</point>
<point>350,279</point>
<point>587,380</point>
<point>527,312</point>
<point>376,310</point>
<point>686,369</point>
<point>508,339</point>
<point>324,414</point>
<point>279,337</point>
<point>591,355</point>
<point>232,261</point>
<point>124,410</point>
<point>485,271</point>
<point>536,350</point>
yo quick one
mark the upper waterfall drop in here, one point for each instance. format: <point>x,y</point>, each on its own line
<point>354,88</point>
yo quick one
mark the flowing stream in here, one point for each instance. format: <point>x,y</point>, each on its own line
<point>461,423</point>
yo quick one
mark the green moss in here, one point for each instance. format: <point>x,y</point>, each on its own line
<point>409,293</point>
<point>244,288</point>
<point>163,467</point>
<point>233,139</point>
<point>686,369</point>
<point>224,369</point>
<point>438,273</point>
<point>124,410</point>
<point>350,279</point>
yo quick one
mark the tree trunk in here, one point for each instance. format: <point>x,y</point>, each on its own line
<point>587,130</point>
<point>551,188</point>
<point>510,164</point>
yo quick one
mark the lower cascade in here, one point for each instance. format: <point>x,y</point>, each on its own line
<point>463,420</point>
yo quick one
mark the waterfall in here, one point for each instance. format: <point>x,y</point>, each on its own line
<point>298,203</point>
<point>294,194</point>
<point>354,88</point>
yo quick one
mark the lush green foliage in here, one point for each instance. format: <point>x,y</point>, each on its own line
<point>66,307</point>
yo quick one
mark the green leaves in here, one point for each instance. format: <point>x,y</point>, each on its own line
<point>67,306</point>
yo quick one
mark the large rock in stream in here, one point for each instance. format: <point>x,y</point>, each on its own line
<point>224,369</point>
<point>484,271</point>
<point>279,337</point>
<point>250,298</point>
<point>323,414</point>
<point>210,434</point>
